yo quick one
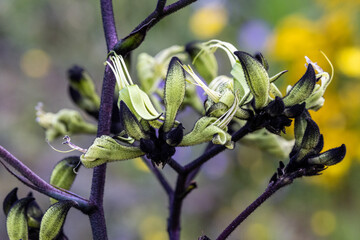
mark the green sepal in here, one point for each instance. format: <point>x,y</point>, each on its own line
<point>204,60</point>
<point>174,92</point>
<point>241,86</point>
<point>258,56</point>
<point>330,157</point>
<point>132,41</point>
<point>205,131</point>
<point>217,109</point>
<point>138,102</point>
<point>9,200</point>
<point>132,125</point>
<point>64,173</point>
<point>54,218</point>
<point>256,77</point>
<point>107,149</point>
<point>17,220</point>
<point>302,89</point>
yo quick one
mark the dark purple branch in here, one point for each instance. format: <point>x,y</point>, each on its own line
<point>41,185</point>
<point>176,166</point>
<point>159,13</point>
<point>270,190</point>
<point>164,183</point>
<point>176,201</point>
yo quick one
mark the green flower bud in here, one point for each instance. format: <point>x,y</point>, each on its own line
<point>17,220</point>
<point>82,90</point>
<point>64,122</point>
<point>204,60</point>
<point>302,89</point>
<point>64,173</point>
<point>54,218</point>
<point>204,131</point>
<point>152,70</point>
<point>174,92</point>
<point>9,200</point>
<point>131,42</point>
<point>132,126</point>
<point>330,157</point>
<point>34,214</point>
<point>107,149</point>
<point>256,77</point>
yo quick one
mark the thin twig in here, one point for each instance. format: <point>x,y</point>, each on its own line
<point>176,166</point>
<point>40,184</point>
<point>164,183</point>
<point>270,190</point>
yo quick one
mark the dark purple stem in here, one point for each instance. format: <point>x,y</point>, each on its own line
<point>42,185</point>
<point>97,218</point>
<point>270,190</point>
<point>176,200</point>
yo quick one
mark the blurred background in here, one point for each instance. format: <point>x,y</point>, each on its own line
<point>40,40</point>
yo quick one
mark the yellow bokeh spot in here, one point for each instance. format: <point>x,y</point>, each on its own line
<point>208,21</point>
<point>153,227</point>
<point>35,63</point>
<point>348,61</point>
<point>140,165</point>
<point>257,231</point>
<point>323,223</point>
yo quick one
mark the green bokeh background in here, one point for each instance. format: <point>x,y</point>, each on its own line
<point>70,32</point>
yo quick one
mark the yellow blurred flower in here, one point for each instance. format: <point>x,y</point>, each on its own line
<point>348,60</point>
<point>35,63</point>
<point>323,223</point>
<point>208,21</point>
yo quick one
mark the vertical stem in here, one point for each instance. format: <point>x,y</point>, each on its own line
<point>176,200</point>
<point>97,218</point>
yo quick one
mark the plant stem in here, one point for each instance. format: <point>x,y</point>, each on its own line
<point>176,200</point>
<point>41,185</point>
<point>270,190</point>
<point>97,218</point>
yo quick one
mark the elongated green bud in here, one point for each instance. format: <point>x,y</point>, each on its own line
<point>302,89</point>
<point>9,200</point>
<point>132,125</point>
<point>174,92</point>
<point>17,220</point>
<point>82,90</point>
<point>257,78</point>
<point>106,149</point>
<point>54,218</point>
<point>34,213</point>
<point>64,173</point>
<point>330,157</point>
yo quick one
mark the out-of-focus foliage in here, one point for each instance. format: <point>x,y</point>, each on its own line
<point>40,40</point>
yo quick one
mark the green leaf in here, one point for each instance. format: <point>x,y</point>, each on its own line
<point>54,218</point>
<point>17,221</point>
<point>9,200</point>
<point>64,173</point>
<point>107,149</point>
<point>174,92</point>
